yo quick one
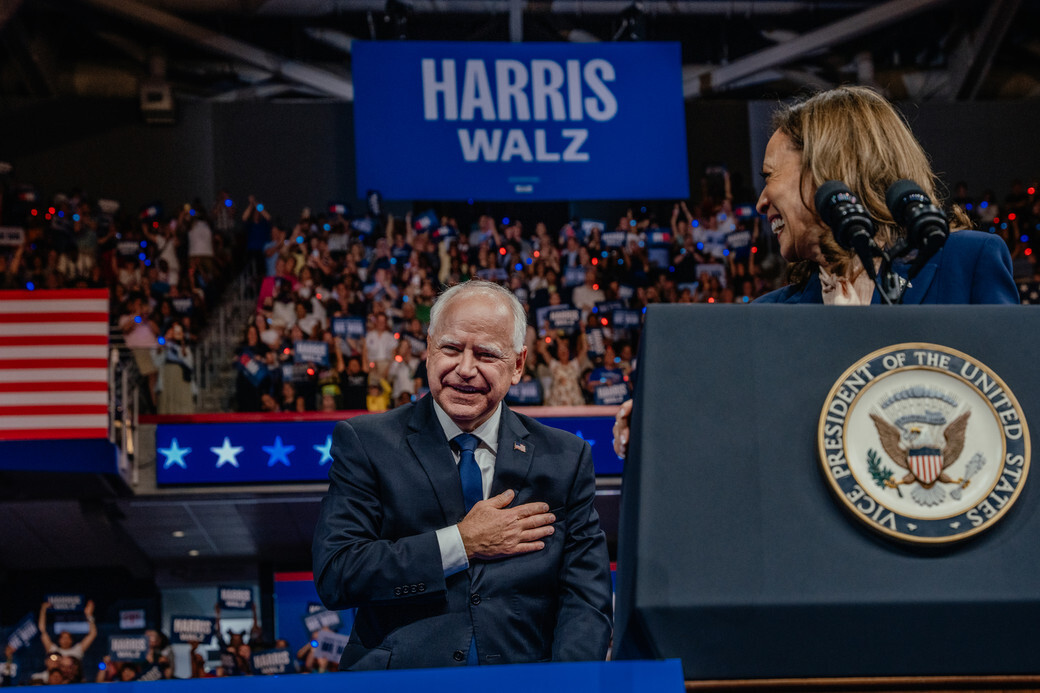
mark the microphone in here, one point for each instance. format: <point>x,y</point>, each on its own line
<point>926,226</point>
<point>853,228</point>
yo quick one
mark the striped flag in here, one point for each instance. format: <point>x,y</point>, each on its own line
<point>53,364</point>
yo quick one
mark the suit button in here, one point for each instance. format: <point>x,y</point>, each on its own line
<point>474,599</point>
<point>422,586</point>
<point>397,591</point>
<point>459,655</point>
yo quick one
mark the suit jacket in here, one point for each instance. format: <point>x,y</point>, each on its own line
<point>393,483</point>
<point>972,267</point>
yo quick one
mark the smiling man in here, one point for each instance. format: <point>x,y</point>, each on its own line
<point>463,532</point>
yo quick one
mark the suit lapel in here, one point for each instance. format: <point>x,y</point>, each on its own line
<point>921,282</point>
<point>512,462</point>
<point>428,444</point>
<point>514,456</point>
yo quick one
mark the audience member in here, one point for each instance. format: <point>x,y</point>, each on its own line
<point>66,646</point>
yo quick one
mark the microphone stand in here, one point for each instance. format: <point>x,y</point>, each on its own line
<point>890,285</point>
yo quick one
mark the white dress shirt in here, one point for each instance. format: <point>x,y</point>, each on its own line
<point>453,551</point>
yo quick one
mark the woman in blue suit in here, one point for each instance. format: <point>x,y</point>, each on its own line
<point>853,135</point>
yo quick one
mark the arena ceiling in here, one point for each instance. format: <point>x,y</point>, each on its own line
<point>300,49</point>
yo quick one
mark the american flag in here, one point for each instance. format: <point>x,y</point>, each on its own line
<point>53,364</point>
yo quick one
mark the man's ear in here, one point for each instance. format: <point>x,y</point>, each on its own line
<point>518,365</point>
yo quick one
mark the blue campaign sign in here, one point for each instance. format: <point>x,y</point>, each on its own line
<point>24,632</point>
<point>574,276</point>
<point>594,341</point>
<point>323,618</point>
<point>625,319</point>
<point>234,597</point>
<point>564,318</point>
<point>66,602</point>
<point>351,328</point>
<point>185,629</point>
<point>311,351</point>
<point>611,394</point>
<point>273,662</point>
<point>520,121</point>
<point>525,392</point>
<point>127,648</point>
<point>590,225</point>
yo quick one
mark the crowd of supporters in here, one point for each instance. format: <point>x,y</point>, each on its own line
<point>344,305</point>
<point>53,655</point>
<point>343,301</point>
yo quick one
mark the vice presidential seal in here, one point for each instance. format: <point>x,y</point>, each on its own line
<point>924,443</point>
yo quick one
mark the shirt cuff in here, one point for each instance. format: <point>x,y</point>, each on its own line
<point>453,551</point>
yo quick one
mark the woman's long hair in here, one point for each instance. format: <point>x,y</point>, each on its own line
<point>853,134</point>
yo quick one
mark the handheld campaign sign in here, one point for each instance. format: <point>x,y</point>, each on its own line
<point>363,225</point>
<point>127,648</point>
<point>659,237</point>
<point>445,232</point>
<point>594,341</point>
<point>564,318</point>
<point>611,394</point>
<point>131,619</point>
<point>12,235</point>
<point>312,351</point>
<point>24,632</point>
<point>253,369</point>
<point>350,328</point>
<point>331,645</point>
<point>713,269</point>
<point>590,225</point>
<point>427,221</point>
<point>339,242</point>
<point>607,307</point>
<point>271,662</point>
<point>526,392</point>
<point>192,628</point>
<point>626,319</point>
<point>66,602</point>
<point>322,618</point>
<point>574,276</point>
<point>520,121</point>
<point>235,597</point>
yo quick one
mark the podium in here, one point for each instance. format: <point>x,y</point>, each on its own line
<point>736,553</point>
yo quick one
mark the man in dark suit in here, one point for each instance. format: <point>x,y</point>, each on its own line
<point>506,565</point>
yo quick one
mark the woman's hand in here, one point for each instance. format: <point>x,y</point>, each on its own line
<point>621,428</point>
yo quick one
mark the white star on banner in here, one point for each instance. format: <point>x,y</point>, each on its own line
<point>226,454</point>
<point>325,450</point>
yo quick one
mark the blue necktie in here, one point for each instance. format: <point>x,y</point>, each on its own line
<point>473,492</point>
<point>469,472</point>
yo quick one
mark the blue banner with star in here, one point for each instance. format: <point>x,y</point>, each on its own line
<point>235,453</point>
<point>300,451</point>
